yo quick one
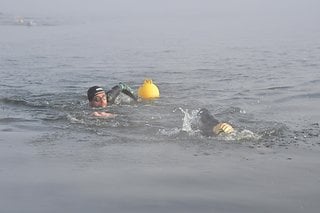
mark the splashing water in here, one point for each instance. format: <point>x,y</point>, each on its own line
<point>187,122</point>
<point>190,125</point>
<point>241,135</point>
<point>190,121</point>
<point>186,125</point>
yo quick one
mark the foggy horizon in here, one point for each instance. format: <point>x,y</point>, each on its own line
<point>294,9</point>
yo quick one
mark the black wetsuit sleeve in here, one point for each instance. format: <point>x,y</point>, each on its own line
<point>207,122</point>
<point>116,90</point>
<point>128,91</point>
<point>113,94</point>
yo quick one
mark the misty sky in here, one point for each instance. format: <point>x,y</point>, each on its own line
<point>283,13</point>
<point>294,8</point>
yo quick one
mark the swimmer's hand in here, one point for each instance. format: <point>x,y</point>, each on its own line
<point>103,114</point>
<point>222,127</point>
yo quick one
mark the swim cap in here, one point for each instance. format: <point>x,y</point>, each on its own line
<point>92,91</point>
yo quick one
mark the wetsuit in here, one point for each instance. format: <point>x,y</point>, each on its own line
<point>116,90</point>
<point>206,122</point>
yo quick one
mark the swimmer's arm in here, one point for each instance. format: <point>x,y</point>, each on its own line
<point>115,91</point>
<point>222,127</point>
<point>113,94</point>
<point>128,91</point>
<point>103,114</point>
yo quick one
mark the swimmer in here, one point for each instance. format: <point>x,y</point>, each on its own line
<point>210,126</point>
<point>99,98</point>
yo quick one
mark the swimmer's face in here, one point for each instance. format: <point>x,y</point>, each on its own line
<point>99,100</point>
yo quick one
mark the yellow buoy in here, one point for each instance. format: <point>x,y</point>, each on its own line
<point>148,90</point>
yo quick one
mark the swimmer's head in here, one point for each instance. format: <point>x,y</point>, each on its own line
<point>92,91</point>
<point>97,97</point>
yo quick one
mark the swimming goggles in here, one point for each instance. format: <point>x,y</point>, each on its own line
<point>99,99</point>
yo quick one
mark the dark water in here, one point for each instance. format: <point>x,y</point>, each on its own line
<point>55,157</point>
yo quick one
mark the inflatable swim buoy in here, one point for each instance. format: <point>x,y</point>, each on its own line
<point>148,90</point>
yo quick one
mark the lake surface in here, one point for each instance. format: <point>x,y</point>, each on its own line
<point>56,157</point>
